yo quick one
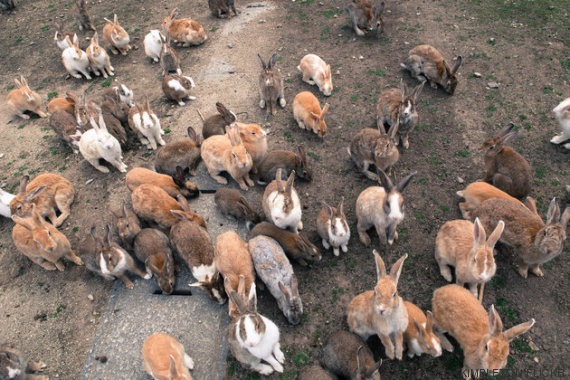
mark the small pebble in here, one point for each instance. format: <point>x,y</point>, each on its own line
<point>567,341</point>
<point>535,359</point>
<point>1,155</point>
<point>90,297</point>
<point>89,181</point>
<point>493,85</point>
<point>337,72</point>
<point>230,46</point>
<point>460,180</point>
<point>360,57</point>
<point>321,3</point>
<point>335,16</point>
<point>406,43</point>
<point>260,21</point>
<point>134,62</point>
<point>32,43</point>
<point>533,346</point>
<point>476,74</point>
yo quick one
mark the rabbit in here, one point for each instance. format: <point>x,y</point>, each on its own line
<point>231,202</point>
<point>174,186</point>
<point>478,192</point>
<point>47,192</point>
<point>169,60</point>
<point>419,337</point>
<point>346,355</point>
<point>286,160</point>
<point>281,203</point>
<point>115,114</point>
<point>66,127</point>
<point>13,365</point>
<point>398,106</point>
<point>153,204</point>
<point>164,358</point>
<point>65,104</point>
<point>364,16</point>
<point>251,336</point>
<point>426,63</point>
<point>83,109</point>
<point>83,21</point>
<point>381,311</point>
<point>219,7</point>
<point>98,143</point>
<point>332,227</point>
<point>228,153</point>
<point>381,208</point>
<point>115,37</point>
<point>7,5</point>
<point>41,242</point>
<point>75,60</point>
<point>534,242</point>
<point>185,31</point>
<point>216,124</point>
<point>271,89</point>
<point>485,346</point>
<point>374,146</point>
<point>296,246</point>
<point>464,245</point>
<point>562,112</point>
<point>184,153</point>
<point>107,259</point>
<point>275,270</point>
<point>308,114</point>
<point>314,372</point>
<point>192,244</point>
<point>121,93</point>
<point>153,249</point>
<point>99,59</point>
<point>232,260</point>
<point>5,199</point>
<point>177,87</point>
<point>128,226</point>
<point>24,99</point>
<point>153,44</point>
<point>144,122</point>
<point>316,71</point>
<point>60,35</point>
<point>254,140</point>
<point>505,168</point>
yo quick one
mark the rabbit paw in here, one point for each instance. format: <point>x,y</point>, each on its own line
<point>326,244</point>
<point>336,251</point>
<point>344,248</point>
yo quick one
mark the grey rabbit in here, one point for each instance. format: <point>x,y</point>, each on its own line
<point>115,115</point>
<point>184,153</point>
<point>152,247</point>
<point>128,227</point>
<point>83,21</point>
<point>169,60</point>
<point>270,85</point>
<point>287,161</point>
<point>231,202</point>
<point>220,7</point>
<point>216,124</point>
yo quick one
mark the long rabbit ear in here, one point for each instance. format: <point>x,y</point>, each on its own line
<point>289,184</point>
<point>565,217</point>
<point>328,209</point>
<point>447,69</point>
<point>396,269</point>
<point>24,81</point>
<point>27,223</point>
<point>115,19</point>
<point>273,60</point>
<point>479,235</point>
<point>380,267</point>
<point>192,134</point>
<point>75,40</point>
<point>340,207</point>
<point>324,111</point>
<point>108,235</point>
<point>279,181</point>
<point>495,323</point>
<point>496,234</point>
<point>252,299</point>
<point>517,330</point>
<point>393,130</point>
<point>102,124</point>
<point>505,131</point>
<point>456,64</point>
<point>509,137</point>
<point>95,39</point>
<point>403,88</point>
<point>553,213</point>
<point>261,62</point>
<point>417,91</point>
<point>23,184</point>
<point>35,193</point>
<point>183,202</point>
<point>93,123</point>
<point>406,181</point>
<point>173,370</point>
<point>385,181</point>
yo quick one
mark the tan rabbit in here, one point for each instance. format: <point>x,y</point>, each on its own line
<point>24,99</point>
<point>271,89</point>
<point>281,203</point>
<point>534,242</point>
<point>185,31</point>
<point>332,227</point>
<point>99,59</point>
<point>426,63</point>
<point>174,186</point>
<point>316,71</point>
<point>254,139</point>
<point>364,16</point>
<point>115,37</point>
<point>419,337</point>
<point>381,311</point>
<point>164,358</point>
<point>219,7</point>
<point>152,247</point>
<point>66,104</point>
<point>128,226</point>
<point>47,192</point>
<point>506,168</point>
<point>308,114</point>
<point>66,127</point>
<point>41,242</point>
<point>233,260</point>
<point>314,372</point>
<point>464,245</point>
<point>228,153</point>
<point>478,192</point>
<point>485,346</point>
<point>14,365</point>
<point>374,146</point>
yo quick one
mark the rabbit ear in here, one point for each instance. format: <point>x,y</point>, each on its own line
<point>27,223</point>
<point>385,181</point>
<point>509,137</point>
<point>328,210</point>
<point>393,130</point>
<point>565,217</point>
<point>324,111</point>
<point>403,88</point>
<point>417,91</point>
<point>496,234</point>
<point>75,40</point>
<point>192,134</point>
<point>35,193</point>
<point>284,290</point>
<point>279,181</point>
<point>380,267</point>
<point>553,214</point>
<point>93,233</point>
<point>273,60</point>
<point>173,370</point>
<point>429,322</point>
<point>18,83</point>
<point>360,360</point>
<point>294,283</point>
<point>289,184</point>
<point>397,268</point>
<point>23,184</point>
<point>406,181</point>
<point>24,81</point>
<point>495,323</point>
<point>456,64</point>
<point>108,235</point>
<point>479,235</point>
<point>93,123</point>
<point>115,19</point>
<point>261,62</point>
<point>102,124</point>
<point>180,215</point>
<point>252,299</point>
<point>517,330</point>
<point>340,207</point>
<point>183,202</point>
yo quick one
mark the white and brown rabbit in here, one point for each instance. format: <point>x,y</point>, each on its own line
<point>152,247</point>
<point>398,106</point>
<point>146,125</point>
<point>365,17</point>
<point>75,60</point>
<point>231,202</point>
<point>99,59</point>
<point>227,153</point>
<point>271,89</point>
<point>254,140</point>
<point>562,112</point>
<point>251,336</point>
<point>286,160</point>
<point>128,226</point>
<point>177,87</point>
<point>82,17</point>
<point>220,7</point>
<point>164,358</point>
<point>185,31</point>
<point>533,241</point>
<point>169,60</point>
<point>505,168</point>
<point>174,185</point>
<point>426,63</point>
<point>308,113</point>
<point>121,93</point>
<point>14,365</point>
<point>484,343</point>
<point>281,203</point>
<point>276,272</point>
<point>24,99</point>
<point>41,242</point>
<point>192,244</point>
<point>115,37</point>
<point>332,227</point>
<point>464,246</point>
<point>47,192</point>
<point>216,124</point>
<point>184,153</point>
<point>97,143</point>
<point>316,71</point>
<point>419,337</point>
<point>83,109</point>
<point>60,35</point>
<point>476,193</point>
<point>381,311</point>
<point>374,146</point>
<point>381,208</point>
<point>345,354</point>
<point>153,44</point>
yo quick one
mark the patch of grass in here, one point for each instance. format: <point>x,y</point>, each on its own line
<point>45,27</point>
<point>491,108</point>
<point>420,217</point>
<point>289,137</point>
<point>167,131</point>
<point>314,156</point>
<point>463,153</point>
<point>136,30</point>
<point>52,95</point>
<point>433,159</point>
<point>58,310</point>
<point>75,229</point>
<point>548,89</point>
<point>539,173</point>
<point>498,282</point>
<point>10,87</point>
<point>325,32</point>
<point>307,2</point>
<point>462,38</point>
<point>491,41</point>
<point>20,126</point>
<point>19,39</point>
<point>349,123</point>
<point>289,80</point>
<point>354,97</point>
<point>379,73</point>
<point>146,154</point>
<point>213,28</point>
<point>301,359</point>
<point>106,83</point>
<point>479,55</point>
<point>335,294</point>
<point>444,208</point>
<point>349,264</point>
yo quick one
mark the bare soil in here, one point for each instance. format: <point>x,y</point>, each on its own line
<point>522,46</point>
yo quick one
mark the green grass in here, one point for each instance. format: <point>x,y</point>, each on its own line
<point>379,73</point>
<point>52,95</point>
<point>106,83</point>
<point>314,156</point>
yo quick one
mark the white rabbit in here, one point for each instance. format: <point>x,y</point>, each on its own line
<point>562,112</point>
<point>5,199</point>
<point>146,125</point>
<point>75,60</point>
<point>281,203</point>
<point>153,44</point>
<point>97,143</point>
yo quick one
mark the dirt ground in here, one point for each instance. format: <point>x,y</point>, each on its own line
<point>521,46</point>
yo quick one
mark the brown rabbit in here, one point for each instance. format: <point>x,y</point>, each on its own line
<point>115,37</point>
<point>286,160</point>
<point>219,7</point>
<point>478,192</point>
<point>364,16</point>
<point>231,202</point>
<point>308,113</point>
<point>153,249</point>
<point>13,365</point>
<point>128,226</point>
<point>505,167</point>
<point>164,358</point>
<point>332,227</point>
<point>23,99</point>
<point>177,87</point>
<point>184,153</point>
<point>270,85</point>
<point>65,126</point>
<point>169,60</point>
<point>374,146</point>
<point>185,31</point>
<point>115,115</point>
<point>174,186</point>
<point>419,337</point>
<point>254,139</point>
<point>66,104</point>
<point>82,17</point>
<point>216,124</point>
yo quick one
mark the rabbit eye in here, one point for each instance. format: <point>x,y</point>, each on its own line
<point>394,295</point>
<point>19,207</point>
<point>233,154</point>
